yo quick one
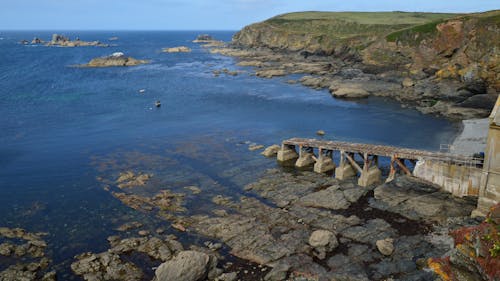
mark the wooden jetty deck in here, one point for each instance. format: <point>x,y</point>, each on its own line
<point>382,150</point>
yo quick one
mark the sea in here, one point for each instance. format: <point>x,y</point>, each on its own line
<point>66,132</point>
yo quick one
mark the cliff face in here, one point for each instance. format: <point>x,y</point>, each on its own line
<point>446,46</point>
<point>465,48</point>
<point>328,33</point>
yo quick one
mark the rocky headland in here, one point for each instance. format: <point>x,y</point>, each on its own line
<point>115,59</point>
<point>444,64</point>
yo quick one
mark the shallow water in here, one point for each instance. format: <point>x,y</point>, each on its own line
<point>64,128</point>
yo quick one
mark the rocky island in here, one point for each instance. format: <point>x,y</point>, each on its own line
<point>444,64</point>
<point>115,59</point>
<point>63,41</point>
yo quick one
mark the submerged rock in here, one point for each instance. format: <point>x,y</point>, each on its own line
<point>27,250</point>
<point>130,179</point>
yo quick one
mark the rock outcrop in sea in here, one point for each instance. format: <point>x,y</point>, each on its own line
<point>63,41</point>
<point>115,59</point>
<point>180,49</point>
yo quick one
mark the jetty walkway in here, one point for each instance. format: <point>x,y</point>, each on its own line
<point>363,159</point>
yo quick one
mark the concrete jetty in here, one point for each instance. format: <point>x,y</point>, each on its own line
<point>462,175</point>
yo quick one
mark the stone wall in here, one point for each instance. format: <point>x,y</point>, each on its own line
<point>489,193</point>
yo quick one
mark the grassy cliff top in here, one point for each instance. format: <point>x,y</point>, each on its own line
<point>368,18</point>
<point>345,25</point>
<point>490,18</point>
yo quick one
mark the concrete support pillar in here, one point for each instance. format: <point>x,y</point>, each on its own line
<point>371,174</point>
<point>344,170</point>
<point>392,172</point>
<point>306,157</point>
<point>287,153</point>
<point>324,163</point>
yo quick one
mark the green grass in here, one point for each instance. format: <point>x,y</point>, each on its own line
<point>422,29</point>
<point>368,18</point>
<point>408,34</point>
<point>336,26</point>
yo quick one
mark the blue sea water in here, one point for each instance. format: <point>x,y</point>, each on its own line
<point>64,127</point>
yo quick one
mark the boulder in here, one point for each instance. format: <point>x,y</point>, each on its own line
<point>385,246</point>
<point>350,93</point>
<point>271,151</point>
<point>323,241</point>
<point>323,238</point>
<point>408,82</point>
<point>186,266</point>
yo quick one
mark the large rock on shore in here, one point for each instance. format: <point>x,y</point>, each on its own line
<point>186,266</point>
<point>116,59</point>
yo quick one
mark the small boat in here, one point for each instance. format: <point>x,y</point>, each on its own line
<point>157,103</point>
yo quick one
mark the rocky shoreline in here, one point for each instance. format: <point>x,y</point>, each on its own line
<point>304,226</point>
<point>356,81</point>
<point>447,67</point>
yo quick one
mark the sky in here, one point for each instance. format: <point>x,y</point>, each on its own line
<point>194,14</point>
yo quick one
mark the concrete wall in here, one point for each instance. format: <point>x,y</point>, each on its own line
<point>489,193</point>
<point>456,179</point>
